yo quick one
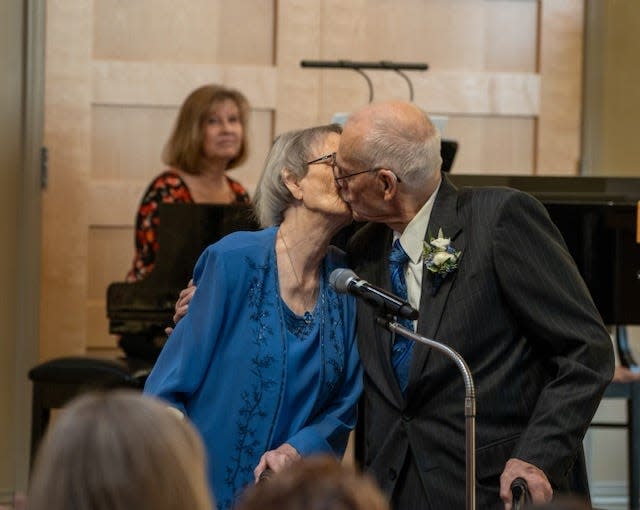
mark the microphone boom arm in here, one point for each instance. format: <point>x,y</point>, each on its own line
<point>469,401</point>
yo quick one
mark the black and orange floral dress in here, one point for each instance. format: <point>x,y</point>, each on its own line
<point>168,187</point>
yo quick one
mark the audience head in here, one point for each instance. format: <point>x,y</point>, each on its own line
<point>290,152</point>
<point>118,451</point>
<point>563,503</point>
<point>387,150</point>
<point>315,483</point>
<point>205,109</point>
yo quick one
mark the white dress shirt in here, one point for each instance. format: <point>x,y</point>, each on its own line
<point>411,241</point>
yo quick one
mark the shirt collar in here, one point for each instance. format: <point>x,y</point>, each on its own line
<point>413,236</point>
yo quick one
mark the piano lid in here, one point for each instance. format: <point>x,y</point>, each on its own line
<point>146,306</point>
<point>598,218</point>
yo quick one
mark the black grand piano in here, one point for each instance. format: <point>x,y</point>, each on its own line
<point>598,218</point>
<point>140,311</point>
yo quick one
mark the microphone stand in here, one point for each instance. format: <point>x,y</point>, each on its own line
<point>469,401</point>
<point>382,65</point>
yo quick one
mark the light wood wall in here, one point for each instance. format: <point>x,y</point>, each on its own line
<point>505,72</point>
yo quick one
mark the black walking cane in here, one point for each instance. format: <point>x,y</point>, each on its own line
<point>521,494</point>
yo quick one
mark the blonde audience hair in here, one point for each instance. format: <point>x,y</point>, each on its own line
<point>315,483</point>
<point>119,451</point>
<point>183,150</point>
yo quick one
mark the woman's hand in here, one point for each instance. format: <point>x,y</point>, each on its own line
<point>276,460</point>
<point>182,305</point>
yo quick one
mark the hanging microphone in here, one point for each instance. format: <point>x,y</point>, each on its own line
<point>345,281</point>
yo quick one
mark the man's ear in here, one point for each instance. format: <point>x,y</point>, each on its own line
<point>291,182</point>
<point>389,182</point>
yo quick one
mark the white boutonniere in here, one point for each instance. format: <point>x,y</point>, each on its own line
<point>440,258</point>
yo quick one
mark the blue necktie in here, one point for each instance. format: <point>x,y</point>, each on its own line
<point>402,347</point>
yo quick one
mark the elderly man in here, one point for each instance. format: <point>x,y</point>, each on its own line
<point>498,285</point>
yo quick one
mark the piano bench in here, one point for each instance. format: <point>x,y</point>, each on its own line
<point>630,391</point>
<point>59,380</point>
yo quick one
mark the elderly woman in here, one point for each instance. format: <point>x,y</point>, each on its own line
<point>265,362</point>
<point>208,139</point>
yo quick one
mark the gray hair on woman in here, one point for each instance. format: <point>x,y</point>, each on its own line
<point>117,451</point>
<point>292,151</point>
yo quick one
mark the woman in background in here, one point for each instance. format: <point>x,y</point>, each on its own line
<point>119,451</point>
<point>208,139</point>
<point>265,362</point>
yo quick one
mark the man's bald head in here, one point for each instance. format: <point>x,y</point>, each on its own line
<point>396,135</point>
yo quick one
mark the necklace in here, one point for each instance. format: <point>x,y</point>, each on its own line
<point>307,316</point>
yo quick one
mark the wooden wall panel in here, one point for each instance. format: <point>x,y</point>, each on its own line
<point>127,141</point>
<point>501,70</point>
<point>155,30</point>
<point>560,54</point>
<point>298,36</point>
<point>511,36</point>
<point>168,83</point>
<point>109,259</point>
<point>197,31</point>
<point>492,145</point>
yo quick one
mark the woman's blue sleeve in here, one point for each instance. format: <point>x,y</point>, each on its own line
<point>185,358</point>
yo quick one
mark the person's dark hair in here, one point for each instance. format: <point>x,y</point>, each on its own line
<point>117,451</point>
<point>315,483</point>
<point>290,150</point>
<point>184,147</point>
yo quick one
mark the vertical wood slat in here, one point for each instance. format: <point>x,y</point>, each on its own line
<point>560,62</point>
<point>65,202</point>
<point>299,33</point>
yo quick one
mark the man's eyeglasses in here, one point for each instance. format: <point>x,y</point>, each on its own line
<point>330,159</point>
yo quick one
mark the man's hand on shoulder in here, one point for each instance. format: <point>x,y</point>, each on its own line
<point>182,305</point>
<point>538,483</point>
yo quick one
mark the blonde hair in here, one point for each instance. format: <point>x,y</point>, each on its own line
<point>315,483</point>
<point>117,451</point>
<point>183,150</point>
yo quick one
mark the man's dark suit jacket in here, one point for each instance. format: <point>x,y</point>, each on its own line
<point>519,313</point>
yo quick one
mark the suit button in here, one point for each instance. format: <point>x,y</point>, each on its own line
<point>392,474</point>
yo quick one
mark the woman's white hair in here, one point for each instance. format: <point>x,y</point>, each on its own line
<point>291,151</point>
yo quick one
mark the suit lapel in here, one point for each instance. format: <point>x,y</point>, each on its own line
<point>377,274</point>
<point>443,216</point>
